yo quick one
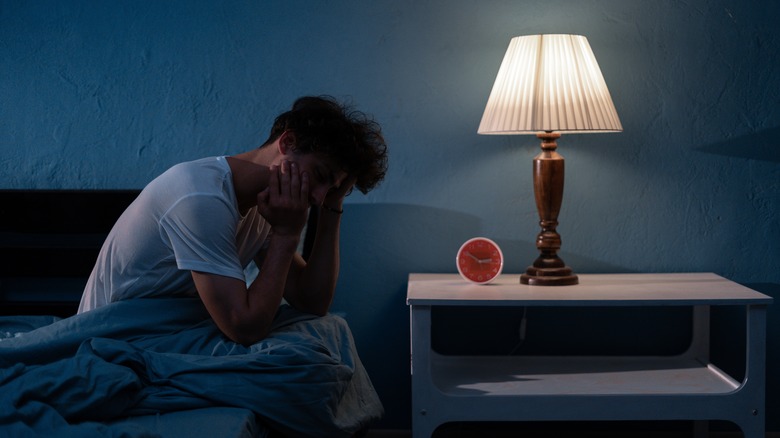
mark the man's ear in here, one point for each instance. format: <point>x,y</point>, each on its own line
<point>286,142</point>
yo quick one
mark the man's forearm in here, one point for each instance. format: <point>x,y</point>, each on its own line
<point>271,280</point>
<point>314,285</point>
<point>245,315</point>
<point>265,293</point>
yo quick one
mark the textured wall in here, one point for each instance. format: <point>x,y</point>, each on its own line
<point>109,94</point>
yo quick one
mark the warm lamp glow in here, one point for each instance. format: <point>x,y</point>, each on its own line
<point>549,84</point>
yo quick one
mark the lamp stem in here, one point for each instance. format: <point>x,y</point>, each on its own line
<point>548,269</point>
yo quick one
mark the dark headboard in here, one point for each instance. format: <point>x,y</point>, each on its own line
<point>49,241</point>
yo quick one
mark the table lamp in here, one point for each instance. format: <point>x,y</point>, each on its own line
<point>548,84</point>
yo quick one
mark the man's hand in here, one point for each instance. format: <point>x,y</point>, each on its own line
<point>335,197</point>
<point>285,202</point>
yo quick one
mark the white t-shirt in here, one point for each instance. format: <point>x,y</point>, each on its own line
<point>187,219</point>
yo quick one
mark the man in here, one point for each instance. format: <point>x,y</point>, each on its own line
<point>196,227</point>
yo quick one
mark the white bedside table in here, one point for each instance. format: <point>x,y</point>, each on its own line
<point>579,388</point>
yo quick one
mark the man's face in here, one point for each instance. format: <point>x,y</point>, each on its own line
<point>324,175</point>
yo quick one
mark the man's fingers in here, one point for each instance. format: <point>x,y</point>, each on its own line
<point>284,179</point>
<point>288,186</point>
<point>304,187</point>
<point>262,197</point>
<point>273,181</point>
<point>295,182</point>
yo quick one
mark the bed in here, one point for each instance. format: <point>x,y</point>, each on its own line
<point>137,369</point>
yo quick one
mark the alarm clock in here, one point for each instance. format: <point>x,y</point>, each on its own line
<point>480,260</point>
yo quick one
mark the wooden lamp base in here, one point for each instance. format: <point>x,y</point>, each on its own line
<point>552,276</point>
<point>548,269</point>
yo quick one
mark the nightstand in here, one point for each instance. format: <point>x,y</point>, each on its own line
<point>687,386</point>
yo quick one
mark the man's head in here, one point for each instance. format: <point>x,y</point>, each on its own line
<point>348,138</point>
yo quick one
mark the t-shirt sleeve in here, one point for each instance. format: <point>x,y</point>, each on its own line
<point>201,230</point>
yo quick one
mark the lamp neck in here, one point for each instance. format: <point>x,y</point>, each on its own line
<point>549,140</point>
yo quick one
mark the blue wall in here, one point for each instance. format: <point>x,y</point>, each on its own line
<point>109,94</point>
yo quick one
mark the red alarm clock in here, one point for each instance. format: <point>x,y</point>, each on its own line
<point>480,260</point>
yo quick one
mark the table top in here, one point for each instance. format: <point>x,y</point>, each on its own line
<point>678,289</point>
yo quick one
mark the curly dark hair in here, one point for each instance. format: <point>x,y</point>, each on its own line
<point>322,125</point>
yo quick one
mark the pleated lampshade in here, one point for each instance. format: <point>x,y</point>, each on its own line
<point>549,83</point>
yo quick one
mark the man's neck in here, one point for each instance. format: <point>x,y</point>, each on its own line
<point>250,175</point>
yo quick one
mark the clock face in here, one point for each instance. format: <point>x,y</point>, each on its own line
<point>480,260</point>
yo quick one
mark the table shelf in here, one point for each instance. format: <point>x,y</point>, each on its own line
<point>479,376</point>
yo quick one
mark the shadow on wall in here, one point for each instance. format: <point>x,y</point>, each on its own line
<point>380,245</point>
<point>762,146</point>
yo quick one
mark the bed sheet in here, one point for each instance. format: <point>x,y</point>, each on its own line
<point>156,356</point>
<point>220,422</point>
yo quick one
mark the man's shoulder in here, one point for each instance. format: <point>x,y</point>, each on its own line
<point>200,181</point>
<point>209,174</point>
<point>216,164</point>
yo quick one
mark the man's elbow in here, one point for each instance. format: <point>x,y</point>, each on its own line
<point>319,312</point>
<point>316,310</point>
<point>246,339</point>
<point>246,334</point>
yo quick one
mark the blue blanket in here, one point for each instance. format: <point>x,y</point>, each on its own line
<point>66,377</point>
